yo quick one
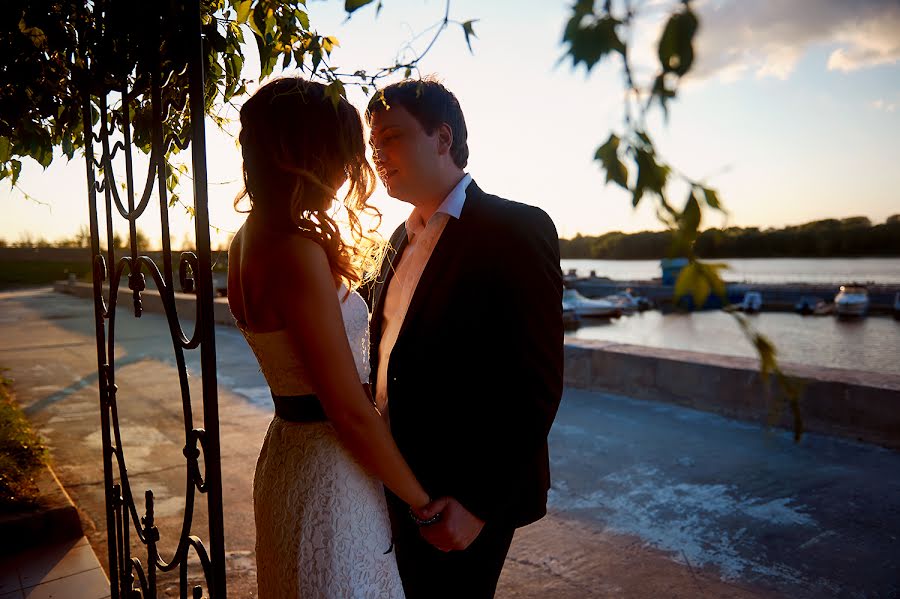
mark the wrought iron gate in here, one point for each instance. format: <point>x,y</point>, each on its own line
<point>150,34</point>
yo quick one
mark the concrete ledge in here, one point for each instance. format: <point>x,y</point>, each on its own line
<point>861,405</point>
<point>54,520</point>
<point>185,303</point>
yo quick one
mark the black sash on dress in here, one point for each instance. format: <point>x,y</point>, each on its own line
<point>299,408</point>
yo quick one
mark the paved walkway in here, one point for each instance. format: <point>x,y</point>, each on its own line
<point>649,500</point>
<point>67,570</point>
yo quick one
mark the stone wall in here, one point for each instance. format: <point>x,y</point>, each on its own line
<point>860,405</point>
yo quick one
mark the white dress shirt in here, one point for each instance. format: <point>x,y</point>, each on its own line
<point>408,268</point>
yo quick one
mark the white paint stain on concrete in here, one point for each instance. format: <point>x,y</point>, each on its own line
<point>141,445</point>
<point>165,503</point>
<point>687,519</point>
<point>569,429</point>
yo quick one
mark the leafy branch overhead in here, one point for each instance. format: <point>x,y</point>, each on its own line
<point>67,55</point>
<point>630,160</point>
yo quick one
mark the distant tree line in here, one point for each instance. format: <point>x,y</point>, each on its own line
<point>848,237</point>
<point>82,239</point>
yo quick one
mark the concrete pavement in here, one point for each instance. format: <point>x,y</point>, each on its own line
<point>649,499</point>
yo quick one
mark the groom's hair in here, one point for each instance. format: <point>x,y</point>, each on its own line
<point>430,103</point>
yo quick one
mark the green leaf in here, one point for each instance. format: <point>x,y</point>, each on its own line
<point>5,149</point>
<point>712,199</point>
<point>715,279</point>
<point>67,148</point>
<point>686,280</point>
<point>352,6</point>
<point>303,18</point>
<point>467,30</point>
<point>243,11</point>
<point>37,36</point>
<point>329,43</point>
<point>238,64</point>
<point>694,280</point>
<point>335,91</point>
<point>16,167</point>
<point>590,44</point>
<point>662,94</point>
<point>690,216</point>
<point>676,52</point>
<point>651,176</point>
<point>608,156</point>
<point>257,21</point>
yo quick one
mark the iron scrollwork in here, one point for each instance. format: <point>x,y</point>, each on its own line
<point>151,60</point>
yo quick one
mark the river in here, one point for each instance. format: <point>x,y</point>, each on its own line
<point>764,270</point>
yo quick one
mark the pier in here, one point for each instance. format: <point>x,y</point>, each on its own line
<point>775,296</point>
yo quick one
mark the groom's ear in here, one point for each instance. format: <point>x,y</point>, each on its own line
<point>445,138</point>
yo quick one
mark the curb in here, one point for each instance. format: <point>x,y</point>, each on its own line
<point>54,520</point>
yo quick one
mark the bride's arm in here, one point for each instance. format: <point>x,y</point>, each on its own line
<point>307,302</point>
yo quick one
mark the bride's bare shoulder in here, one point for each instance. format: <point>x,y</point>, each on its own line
<point>296,260</point>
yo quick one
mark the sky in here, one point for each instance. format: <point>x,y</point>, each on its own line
<point>792,113</point>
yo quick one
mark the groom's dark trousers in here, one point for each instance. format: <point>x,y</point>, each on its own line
<point>430,573</point>
<point>473,384</point>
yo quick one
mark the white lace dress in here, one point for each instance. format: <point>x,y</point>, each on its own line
<point>322,528</point>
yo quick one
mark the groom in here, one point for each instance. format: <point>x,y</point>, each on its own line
<point>467,347</point>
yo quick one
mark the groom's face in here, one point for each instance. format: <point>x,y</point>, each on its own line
<point>405,156</point>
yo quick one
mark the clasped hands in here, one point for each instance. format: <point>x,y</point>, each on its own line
<point>455,530</point>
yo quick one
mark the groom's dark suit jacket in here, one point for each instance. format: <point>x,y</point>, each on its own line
<point>476,374</point>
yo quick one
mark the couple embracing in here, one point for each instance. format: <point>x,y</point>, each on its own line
<point>413,398</point>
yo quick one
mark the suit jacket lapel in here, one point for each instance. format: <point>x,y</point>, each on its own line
<point>444,252</point>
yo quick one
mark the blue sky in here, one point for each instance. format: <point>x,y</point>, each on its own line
<point>794,114</point>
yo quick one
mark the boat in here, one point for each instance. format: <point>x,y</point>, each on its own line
<point>809,304</point>
<point>852,300</point>
<point>628,302</point>
<point>570,316</point>
<point>590,308</point>
<point>751,303</point>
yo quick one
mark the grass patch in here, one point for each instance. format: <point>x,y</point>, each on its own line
<point>21,274</point>
<point>21,453</point>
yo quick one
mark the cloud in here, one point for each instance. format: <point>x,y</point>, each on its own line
<point>767,38</point>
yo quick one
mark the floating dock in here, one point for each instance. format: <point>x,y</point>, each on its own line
<point>775,296</point>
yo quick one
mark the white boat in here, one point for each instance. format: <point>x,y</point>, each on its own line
<point>570,316</point>
<point>752,302</point>
<point>852,300</point>
<point>587,307</point>
<point>628,302</point>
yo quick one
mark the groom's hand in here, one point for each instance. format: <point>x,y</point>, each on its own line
<point>457,528</point>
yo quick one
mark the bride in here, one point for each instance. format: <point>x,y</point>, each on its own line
<point>322,528</point>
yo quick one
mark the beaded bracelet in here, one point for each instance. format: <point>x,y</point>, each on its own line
<point>420,522</point>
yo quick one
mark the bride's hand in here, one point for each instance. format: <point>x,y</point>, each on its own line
<point>457,527</point>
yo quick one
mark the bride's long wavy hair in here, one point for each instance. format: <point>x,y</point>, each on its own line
<point>296,143</point>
